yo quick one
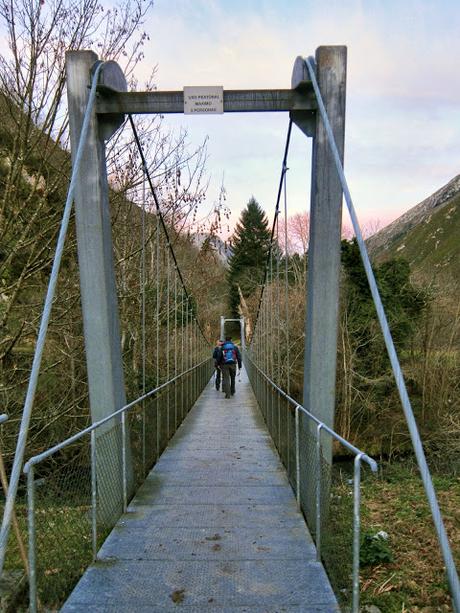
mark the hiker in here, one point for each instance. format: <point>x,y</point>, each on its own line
<point>216,356</point>
<point>230,357</point>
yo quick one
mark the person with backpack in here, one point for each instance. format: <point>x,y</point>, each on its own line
<point>216,356</point>
<point>229,358</point>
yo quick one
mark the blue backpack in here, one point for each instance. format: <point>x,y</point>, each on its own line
<point>229,353</point>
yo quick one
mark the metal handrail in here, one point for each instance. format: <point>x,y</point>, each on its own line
<point>29,469</point>
<point>360,457</point>
<point>372,463</point>
<point>68,441</point>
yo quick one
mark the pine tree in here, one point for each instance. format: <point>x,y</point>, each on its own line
<point>404,304</point>
<point>250,244</point>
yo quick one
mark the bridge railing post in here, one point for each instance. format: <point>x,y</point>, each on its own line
<point>94,494</point>
<point>124,462</point>
<point>319,487</point>
<point>32,540</point>
<point>297,457</point>
<point>356,530</point>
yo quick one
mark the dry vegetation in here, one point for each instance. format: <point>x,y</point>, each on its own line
<point>369,414</point>
<point>415,580</point>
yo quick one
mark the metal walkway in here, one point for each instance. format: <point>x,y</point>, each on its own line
<point>214,527</point>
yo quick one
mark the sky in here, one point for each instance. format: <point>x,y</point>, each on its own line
<point>402,133</point>
<point>402,139</point>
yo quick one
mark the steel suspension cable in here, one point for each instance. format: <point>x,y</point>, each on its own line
<point>157,329</point>
<point>270,351</point>
<point>389,343</point>
<point>160,214</point>
<point>143,324</point>
<point>168,334</point>
<point>196,349</point>
<point>278,311</point>
<point>175,346</point>
<point>266,354</point>
<point>186,350</point>
<point>278,198</point>
<point>286,318</point>
<point>278,331</point>
<point>286,288</point>
<point>183,302</point>
<point>36,364</point>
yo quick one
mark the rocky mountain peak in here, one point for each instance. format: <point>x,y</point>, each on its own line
<point>385,238</point>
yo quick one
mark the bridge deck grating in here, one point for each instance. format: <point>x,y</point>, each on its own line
<point>214,527</point>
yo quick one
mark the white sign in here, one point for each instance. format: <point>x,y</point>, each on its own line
<point>203,100</point>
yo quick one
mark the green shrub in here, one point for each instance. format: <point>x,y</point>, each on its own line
<point>374,549</point>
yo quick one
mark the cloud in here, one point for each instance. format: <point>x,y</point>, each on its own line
<point>402,129</point>
<point>393,48</point>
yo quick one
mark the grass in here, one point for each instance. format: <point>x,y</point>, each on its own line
<point>414,581</point>
<point>431,246</point>
<point>63,549</point>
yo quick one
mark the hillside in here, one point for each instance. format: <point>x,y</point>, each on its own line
<point>427,236</point>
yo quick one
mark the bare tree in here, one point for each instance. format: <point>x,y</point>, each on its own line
<point>371,227</point>
<point>298,233</point>
<point>34,127</point>
<point>34,174</point>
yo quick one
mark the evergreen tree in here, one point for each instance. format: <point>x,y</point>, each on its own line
<point>250,244</point>
<point>403,302</point>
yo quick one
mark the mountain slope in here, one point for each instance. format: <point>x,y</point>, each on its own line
<point>427,236</point>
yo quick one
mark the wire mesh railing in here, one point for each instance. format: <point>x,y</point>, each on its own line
<point>300,439</point>
<point>17,567</point>
<point>78,489</point>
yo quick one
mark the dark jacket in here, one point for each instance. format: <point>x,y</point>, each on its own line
<point>217,356</point>
<point>229,345</point>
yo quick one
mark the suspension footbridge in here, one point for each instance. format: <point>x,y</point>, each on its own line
<point>215,526</point>
<point>179,498</point>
